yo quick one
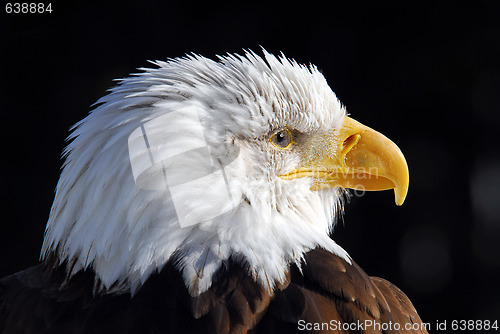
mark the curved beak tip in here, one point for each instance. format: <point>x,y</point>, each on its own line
<point>400,195</point>
<point>401,187</point>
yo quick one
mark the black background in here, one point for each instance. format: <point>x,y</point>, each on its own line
<point>425,75</point>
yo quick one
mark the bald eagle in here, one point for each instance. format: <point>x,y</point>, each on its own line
<point>199,196</point>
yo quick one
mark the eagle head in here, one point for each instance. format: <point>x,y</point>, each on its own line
<point>195,162</point>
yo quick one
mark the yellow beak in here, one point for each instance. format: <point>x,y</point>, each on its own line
<point>356,157</point>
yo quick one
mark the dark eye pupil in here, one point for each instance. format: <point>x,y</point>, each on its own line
<point>282,138</point>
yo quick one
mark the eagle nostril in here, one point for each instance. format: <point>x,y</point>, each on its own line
<point>349,142</point>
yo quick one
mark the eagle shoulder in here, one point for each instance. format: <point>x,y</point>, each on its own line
<point>327,292</point>
<point>42,299</point>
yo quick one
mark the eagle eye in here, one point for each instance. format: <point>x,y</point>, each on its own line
<point>282,139</point>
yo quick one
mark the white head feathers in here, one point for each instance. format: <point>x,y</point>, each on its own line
<point>112,213</point>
